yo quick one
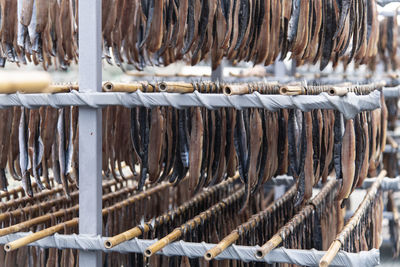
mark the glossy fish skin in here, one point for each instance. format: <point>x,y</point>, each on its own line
<point>61,150</point>
<point>360,149</point>
<point>23,154</point>
<point>348,160</point>
<point>144,132</point>
<point>241,145</point>
<point>337,148</point>
<point>191,27</point>
<point>302,179</point>
<point>292,153</point>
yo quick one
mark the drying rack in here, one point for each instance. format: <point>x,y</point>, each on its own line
<point>91,99</point>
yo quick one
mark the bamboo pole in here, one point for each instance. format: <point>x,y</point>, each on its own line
<point>331,254</point>
<point>47,217</point>
<point>338,91</point>
<point>38,220</point>
<point>175,87</point>
<point>62,88</point>
<point>295,220</point>
<point>221,246</point>
<point>269,246</point>
<point>337,243</point>
<point>203,216</point>
<point>234,235</point>
<point>18,213</point>
<point>19,189</point>
<point>24,82</point>
<point>137,231</point>
<point>291,90</point>
<point>74,222</point>
<point>235,89</point>
<point>39,235</point>
<point>127,235</point>
<point>125,87</point>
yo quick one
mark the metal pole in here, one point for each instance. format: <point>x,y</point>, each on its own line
<point>90,76</point>
<point>279,69</point>
<point>218,73</point>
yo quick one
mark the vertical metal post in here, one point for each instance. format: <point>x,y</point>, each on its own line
<point>279,69</point>
<point>218,74</point>
<point>90,153</point>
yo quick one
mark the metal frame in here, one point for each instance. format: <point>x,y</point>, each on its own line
<point>90,99</point>
<point>90,78</point>
<point>197,250</point>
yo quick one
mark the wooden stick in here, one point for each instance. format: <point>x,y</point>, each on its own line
<point>47,217</point>
<point>335,246</point>
<point>295,220</point>
<point>35,221</point>
<point>269,246</point>
<point>39,235</point>
<point>175,87</point>
<point>18,213</point>
<point>221,246</point>
<point>338,91</point>
<point>331,254</point>
<point>74,222</point>
<point>20,189</point>
<point>124,87</point>
<point>137,231</point>
<point>62,88</point>
<point>235,89</point>
<point>205,215</point>
<point>291,90</point>
<point>24,82</point>
<point>234,235</point>
<point>125,236</point>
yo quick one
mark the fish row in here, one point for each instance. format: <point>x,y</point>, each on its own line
<point>164,143</point>
<point>38,217</point>
<point>388,42</point>
<point>160,32</point>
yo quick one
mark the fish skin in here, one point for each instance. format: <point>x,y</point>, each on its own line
<point>61,150</point>
<point>196,147</point>
<point>23,154</point>
<point>337,148</point>
<point>308,163</point>
<point>14,145</point>
<point>345,8</point>
<point>230,152</point>
<point>32,151</point>
<point>156,144</point>
<point>292,150</point>
<point>348,158</point>
<point>144,131</point>
<point>302,179</point>
<point>222,159</point>
<point>255,144</point>
<point>365,162</point>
